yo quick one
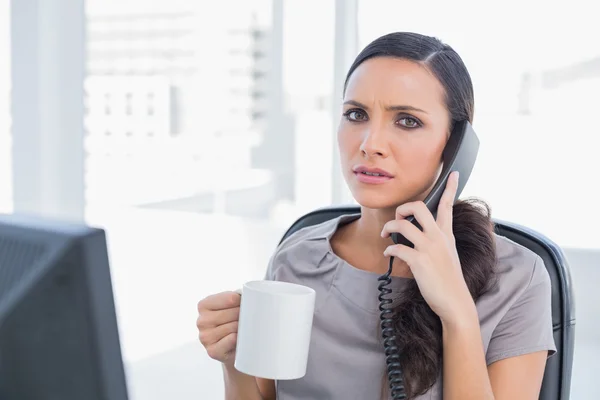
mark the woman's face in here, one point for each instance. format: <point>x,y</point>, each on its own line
<point>392,133</point>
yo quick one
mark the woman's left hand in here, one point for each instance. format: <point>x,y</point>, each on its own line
<point>434,259</point>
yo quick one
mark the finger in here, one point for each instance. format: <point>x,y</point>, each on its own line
<point>213,319</point>
<point>210,336</point>
<point>224,349</point>
<point>402,252</point>
<point>421,213</point>
<point>220,301</point>
<point>406,228</point>
<point>444,214</point>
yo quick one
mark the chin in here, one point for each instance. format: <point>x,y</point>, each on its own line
<point>381,196</point>
<point>376,199</point>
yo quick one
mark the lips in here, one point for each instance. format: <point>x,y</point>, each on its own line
<point>361,169</point>
<point>372,175</point>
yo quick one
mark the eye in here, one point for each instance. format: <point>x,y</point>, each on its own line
<point>409,122</point>
<point>355,115</point>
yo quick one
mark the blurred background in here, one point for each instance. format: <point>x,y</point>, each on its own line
<point>196,132</point>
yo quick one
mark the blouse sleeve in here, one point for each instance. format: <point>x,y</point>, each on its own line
<point>527,326</point>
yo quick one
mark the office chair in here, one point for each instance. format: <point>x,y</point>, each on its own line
<point>557,376</point>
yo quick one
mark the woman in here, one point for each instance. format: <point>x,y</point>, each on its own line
<point>476,301</point>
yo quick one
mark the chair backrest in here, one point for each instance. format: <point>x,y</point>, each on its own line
<point>557,376</point>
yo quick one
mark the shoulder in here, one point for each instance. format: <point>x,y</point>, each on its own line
<point>304,250</point>
<point>321,231</point>
<point>516,314</point>
<point>521,281</point>
<point>518,266</point>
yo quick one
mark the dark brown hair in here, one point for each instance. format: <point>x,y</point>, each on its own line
<point>418,328</point>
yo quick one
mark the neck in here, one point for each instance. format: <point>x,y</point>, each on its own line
<point>370,225</point>
<point>367,231</point>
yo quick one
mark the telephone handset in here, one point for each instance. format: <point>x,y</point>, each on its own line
<point>459,155</point>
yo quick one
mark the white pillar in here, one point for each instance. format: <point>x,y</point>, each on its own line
<point>48,65</point>
<point>346,49</point>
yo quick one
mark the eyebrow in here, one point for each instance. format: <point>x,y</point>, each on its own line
<point>389,108</point>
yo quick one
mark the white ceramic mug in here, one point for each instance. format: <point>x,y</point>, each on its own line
<point>274,329</point>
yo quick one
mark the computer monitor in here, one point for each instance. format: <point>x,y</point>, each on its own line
<point>58,328</point>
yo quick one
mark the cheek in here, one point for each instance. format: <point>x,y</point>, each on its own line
<point>348,143</point>
<point>418,164</point>
<point>419,160</point>
<point>417,154</point>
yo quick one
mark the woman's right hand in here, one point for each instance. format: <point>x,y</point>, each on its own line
<point>218,317</point>
<point>217,323</point>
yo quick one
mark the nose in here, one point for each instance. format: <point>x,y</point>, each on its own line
<point>374,143</point>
